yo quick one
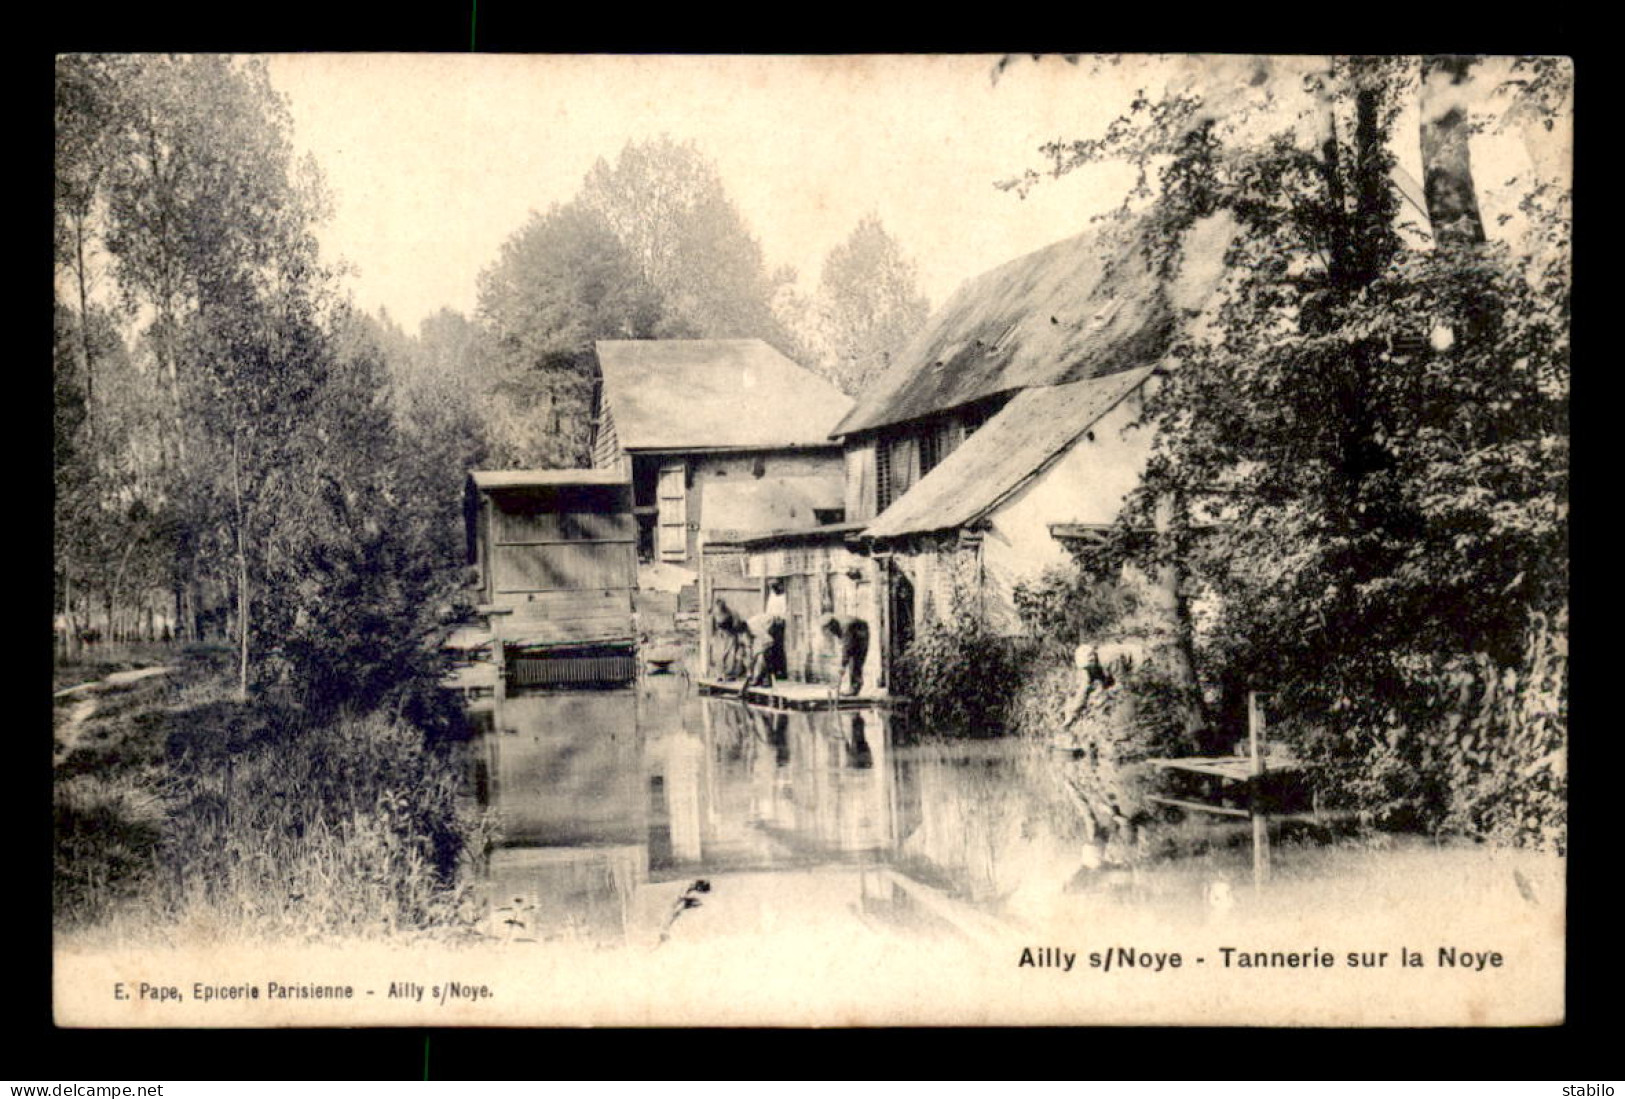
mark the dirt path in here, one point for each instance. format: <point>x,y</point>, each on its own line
<point>117,679</point>
<point>85,702</point>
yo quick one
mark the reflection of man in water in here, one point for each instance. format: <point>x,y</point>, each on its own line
<point>858,754</point>
<point>852,635</point>
<point>776,726</point>
<point>768,770</point>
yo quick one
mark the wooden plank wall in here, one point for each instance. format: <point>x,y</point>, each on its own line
<point>607,444</point>
<point>562,566</point>
<point>565,617</point>
<point>551,551</point>
<point>564,526</point>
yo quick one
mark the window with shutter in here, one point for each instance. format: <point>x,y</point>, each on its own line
<point>883,475</point>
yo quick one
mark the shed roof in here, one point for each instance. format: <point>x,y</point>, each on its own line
<point>736,508</point>
<point>705,394</point>
<point>1083,307</point>
<point>829,532</point>
<point>488,479</point>
<point>1021,441</point>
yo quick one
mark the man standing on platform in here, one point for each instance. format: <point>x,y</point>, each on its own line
<point>852,634</point>
<point>778,606</point>
<point>727,627</point>
<point>766,632</point>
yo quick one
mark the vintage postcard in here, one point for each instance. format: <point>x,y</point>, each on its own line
<point>810,541</point>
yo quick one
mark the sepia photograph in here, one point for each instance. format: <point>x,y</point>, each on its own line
<point>810,541</point>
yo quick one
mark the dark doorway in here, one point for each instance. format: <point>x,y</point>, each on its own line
<point>900,614</point>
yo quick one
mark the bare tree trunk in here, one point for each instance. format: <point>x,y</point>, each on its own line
<point>71,638</point>
<point>242,576</point>
<point>178,631</point>
<point>1179,657</point>
<point>1447,170</point>
<point>114,600</point>
<point>84,330</point>
<point>172,368</point>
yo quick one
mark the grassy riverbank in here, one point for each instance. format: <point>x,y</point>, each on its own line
<point>184,815</point>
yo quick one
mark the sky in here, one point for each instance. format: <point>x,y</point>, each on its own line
<point>435,160</point>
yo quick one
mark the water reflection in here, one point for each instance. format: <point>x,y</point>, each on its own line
<point>612,805</point>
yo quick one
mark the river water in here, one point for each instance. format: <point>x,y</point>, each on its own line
<point>640,814</point>
<point>650,814</point>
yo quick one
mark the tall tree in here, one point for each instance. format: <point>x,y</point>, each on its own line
<point>868,305</point>
<point>203,195</point>
<point>667,205</point>
<point>562,281</point>
<point>1446,158</point>
<point>88,110</point>
<point>295,499</point>
<point>1390,512</point>
<point>88,119</point>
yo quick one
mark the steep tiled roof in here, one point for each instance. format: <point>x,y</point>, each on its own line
<point>1080,308</point>
<point>1028,433</point>
<point>696,394</point>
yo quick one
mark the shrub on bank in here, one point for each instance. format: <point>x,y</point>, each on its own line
<point>1140,715</point>
<point>1464,746</point>
<point>960,676</point>
<point>107,835</point>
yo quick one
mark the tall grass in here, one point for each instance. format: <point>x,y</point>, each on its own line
<point>206,818</point>
<point>348,828</point>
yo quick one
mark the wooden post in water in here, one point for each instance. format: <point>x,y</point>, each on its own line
<point>1261,834</point>
<point>500,690</point>
<point>708,597</point>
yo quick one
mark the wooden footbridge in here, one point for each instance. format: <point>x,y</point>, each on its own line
<point>1240,779</point>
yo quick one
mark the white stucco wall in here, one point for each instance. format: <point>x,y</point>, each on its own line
<point>817,473</point>
<point>1086,484</point>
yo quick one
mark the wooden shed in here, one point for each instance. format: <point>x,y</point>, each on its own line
<point>556,557</point>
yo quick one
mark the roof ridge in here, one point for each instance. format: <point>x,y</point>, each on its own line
<point>1075,307</point>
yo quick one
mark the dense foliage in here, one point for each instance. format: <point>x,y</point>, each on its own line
<point>958,674</point>
<point>652,246</point>
<point>561,283</point>
<point>221,432</point>
<point>866,308</point>
<point>1068,604</point>
<point>666,204</point>
<point>1367,435</point>
<point>233,459</point>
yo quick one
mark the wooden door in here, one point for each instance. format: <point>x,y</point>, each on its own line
<point>672,500</point>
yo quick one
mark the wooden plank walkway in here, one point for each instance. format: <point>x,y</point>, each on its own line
<point>1198,806</point>
<point>791,695</point>
<point>1229,768</point>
